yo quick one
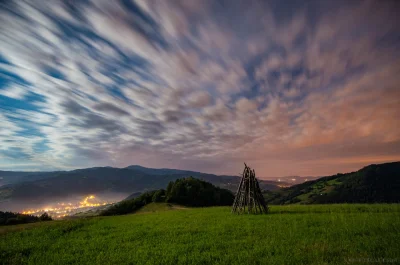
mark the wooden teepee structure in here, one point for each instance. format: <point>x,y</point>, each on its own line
<point>248,196</point>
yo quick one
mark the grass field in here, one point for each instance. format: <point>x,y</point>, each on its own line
<point>163,234</point>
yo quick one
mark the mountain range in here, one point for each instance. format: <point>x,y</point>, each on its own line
<point>20,190</point>
<point>28,189</point>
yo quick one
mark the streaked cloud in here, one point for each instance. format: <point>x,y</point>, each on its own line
<point>291,88</point>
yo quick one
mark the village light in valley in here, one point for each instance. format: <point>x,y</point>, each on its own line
<point>63,209</point>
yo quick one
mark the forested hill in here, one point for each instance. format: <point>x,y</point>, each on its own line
<point>371,184</point>
<point>186,191</point>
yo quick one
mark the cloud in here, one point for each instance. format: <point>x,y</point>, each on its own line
<point>199,99</point>
<point>244,105</point>
<point>289,88</point>
<point>110,108</point>
<point>15,92</point>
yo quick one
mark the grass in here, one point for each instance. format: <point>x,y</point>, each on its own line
<point>295,234</point>
<point>318,189</point>
<point>160,207</point>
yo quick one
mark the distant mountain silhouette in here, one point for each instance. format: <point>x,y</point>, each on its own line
<point>50,186</point>
<point>371,184</point>
<point>13,177</point>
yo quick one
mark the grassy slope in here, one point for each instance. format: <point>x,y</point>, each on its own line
<point>312,234</point>
<point>371,184</point>
<point>160,207</point>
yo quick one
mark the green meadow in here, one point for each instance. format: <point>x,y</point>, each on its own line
<point>170,234</point>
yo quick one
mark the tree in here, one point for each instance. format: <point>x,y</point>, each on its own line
<point>45,217</point>
<point>159,196</point>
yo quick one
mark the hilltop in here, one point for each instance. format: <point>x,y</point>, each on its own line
<point>187,191</point>
<point>372,184</point>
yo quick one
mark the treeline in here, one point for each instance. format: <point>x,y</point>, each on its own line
<point>197,193</point>
<point>10,218</point>
<point>129,206</point>
<point>187,191</point>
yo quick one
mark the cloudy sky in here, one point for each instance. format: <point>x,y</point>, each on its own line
<point>290,87</point>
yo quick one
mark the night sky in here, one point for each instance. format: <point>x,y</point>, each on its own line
<point>289,87</point>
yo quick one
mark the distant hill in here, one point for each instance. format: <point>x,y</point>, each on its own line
<point>372,184</point>
<point>223,181</point>
<point>161,171</point>
<point>40,188</point>
<point>13,177</point>
<point>288,181</point>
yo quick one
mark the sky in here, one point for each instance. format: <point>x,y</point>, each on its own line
<point>307,88</point>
